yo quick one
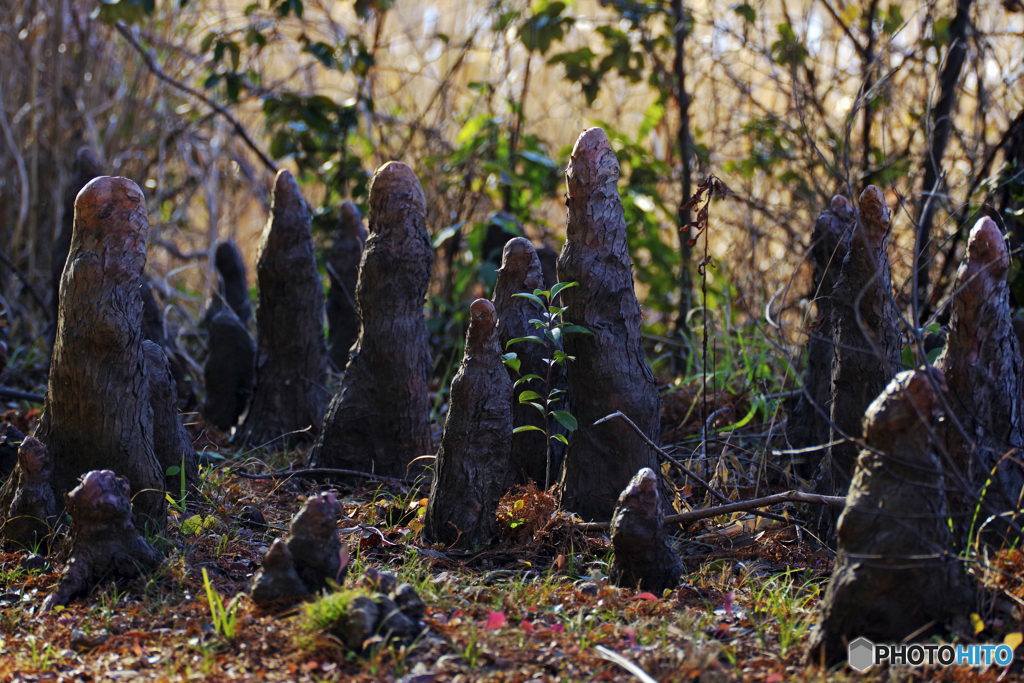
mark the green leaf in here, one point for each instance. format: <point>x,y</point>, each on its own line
<point>529,395</point>
<point>746,11</point>
<point>527,428</point>
<point>565,419</point>
<point>447,233</point>
<point>908,356</point>
<point>524,339</point>
<point>526,378</point>
<point>933,355</point>
<point>531,297</point>
<point>559,286</point>
<point>513,363</point>
<point>575,329</point>
<point>560,437</point>
<point>172,470</point>
<point>892,19</point>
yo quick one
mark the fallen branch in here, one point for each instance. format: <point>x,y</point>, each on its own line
<point>15,395</point>
<point>324,472</point>
<point>713,491</point>
<point>741,506</point>
<point>154,66</point>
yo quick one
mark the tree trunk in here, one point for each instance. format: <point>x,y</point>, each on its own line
<point>473,468</point>
<point>610,372</point>
<point>97,413</point>
<point>86,167</point>
<point>28,508</point>
<point>379,420</point>
<point>894,573</point>
<point>171,442</point>
<point>233,288</point>
<point>229,370</point>
<point>105,544</point>
<point>290,393</point>
<point>866,343</point>
<point>343,261</point>
<point>983,369</point>
<point>521,273</point>
<point>643,558</point>
<point>808,423</point>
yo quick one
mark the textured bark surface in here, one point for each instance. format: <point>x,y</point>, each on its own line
<point>983,369</point>
<point>28,508</point>
<point>521,273</point>
<point>171,442</point>
<point>154,328</point>
<point>894,573</point>
<point>380,418</point>
<point>808,420</point>
<point>230,370</point>
<point>290,394</point>
<point>301,563</point>
<point>97,413</point>
<point>610,372</point>
<point>232,287</point>
<point>343,261</point>
<point>643,558</point>
<point>105,544</point>
<point>866,342</point>
<point>87,166</point>
<point>473,468</point>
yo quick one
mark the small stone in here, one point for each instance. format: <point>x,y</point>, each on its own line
<point>360,622</point>
<point>252,516</point>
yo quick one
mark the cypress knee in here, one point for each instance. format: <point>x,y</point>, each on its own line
<point>343,259</point>
<point>380,418</point>
<point>983,368</point>
<point>28,508</point>
<point>105,544</point>
<point>232,288</point>
<point>154,329</point>
<point>229,370</point>
<point>808,423</point>
<point>521,273</point>
<point>643,558</point>
<point>87,166</point>
<point>290,393</point>
<point>866,341</point>
<point>894,573</point>
<point>610,372</point>
<point>171,442</point>
<point>97,413</point>
<point>473,469</point>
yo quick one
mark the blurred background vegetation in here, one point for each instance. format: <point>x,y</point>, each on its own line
<point>786,101</point>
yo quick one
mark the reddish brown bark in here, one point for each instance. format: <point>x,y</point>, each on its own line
<point>379,419</point>
<point>290,393</point>
<point>28,508</point>
<point>229,370</point>
<point>97,413</point>
<point>610,372</point>
<point>983,368</point>
<point>171,442</point>
<point>343,261</point>
<point>894,573</point>
<point>521,273</point>
<point>643,558</point>
<point>105,544</point>
<point>808,423</point>
<point>87,166</point>
<point>473,468</point>
<point>866,343</point>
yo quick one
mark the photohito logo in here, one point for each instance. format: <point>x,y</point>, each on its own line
<point>864,654</point>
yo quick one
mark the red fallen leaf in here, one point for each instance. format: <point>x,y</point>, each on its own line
<point>527,626</point>
<point>630,634</point>
<point>557,628</point>
<point>645,596</point>
<point>728,602</point>
<point>774,678</point>
<point>495,620</point>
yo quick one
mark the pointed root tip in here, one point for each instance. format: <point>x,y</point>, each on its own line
<point>286,190</point>
<point>643,481</point>
<point>86,162</point>
<point>592,165</point>
<point>107,200</point>
<point>875,211</point>
<point>986,245</point>
<point>518,255</point>
<point>481,313</point>
<point>351,221</point>
<point>841,204</point>
<point>396,182</point>
<point>910,397</point>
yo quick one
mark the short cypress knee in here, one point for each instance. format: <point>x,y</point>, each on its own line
<point>97,413</point>
<point>610,372</point>
<point>232,287</point>
<point>343,261</point>
<point>473,469</point>
<point>28,508</point>
<point>290,393</point>
<point>171,442</point>
<point>379,419</point>
<point>229,370</point>
<point>643,558</point>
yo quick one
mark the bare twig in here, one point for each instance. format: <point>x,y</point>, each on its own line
<point>741,506</point>
<point>625,662</point>
<point>324,472</point>
<point>15,395</point>
<point>154,66</point>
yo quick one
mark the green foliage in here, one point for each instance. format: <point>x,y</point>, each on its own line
<point>788,50</point>
<point>328,611</point>
<point>224,617</point>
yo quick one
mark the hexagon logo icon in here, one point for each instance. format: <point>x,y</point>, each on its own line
<point>861,655</point>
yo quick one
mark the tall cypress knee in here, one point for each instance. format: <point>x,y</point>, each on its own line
<point>521,272</point>
<point>609,372</point>
<point>343,259</point>
<point>380,418</point>
<point>232,287</point>
<point>808,423</point>
<point>983,369</point>
<point>229,370</point>
<point>290,392</point>
<point>97,413</point>
<point>473,469</point>
<point>171,442</point>
<point>87,166</point>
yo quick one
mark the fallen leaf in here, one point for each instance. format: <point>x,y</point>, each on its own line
<point>979,625</point>
<point>645,596</point>
<point>527,626</point>
<point>1013,639</point>
<point>557,628</point>
<point>774,678</point>
<point>728,602</point>
<point>630,634</point>
<point>495,620</point>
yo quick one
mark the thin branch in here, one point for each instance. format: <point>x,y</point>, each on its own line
<point>154,66</point>
<point>15,395</point>
<point>324,472</point>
